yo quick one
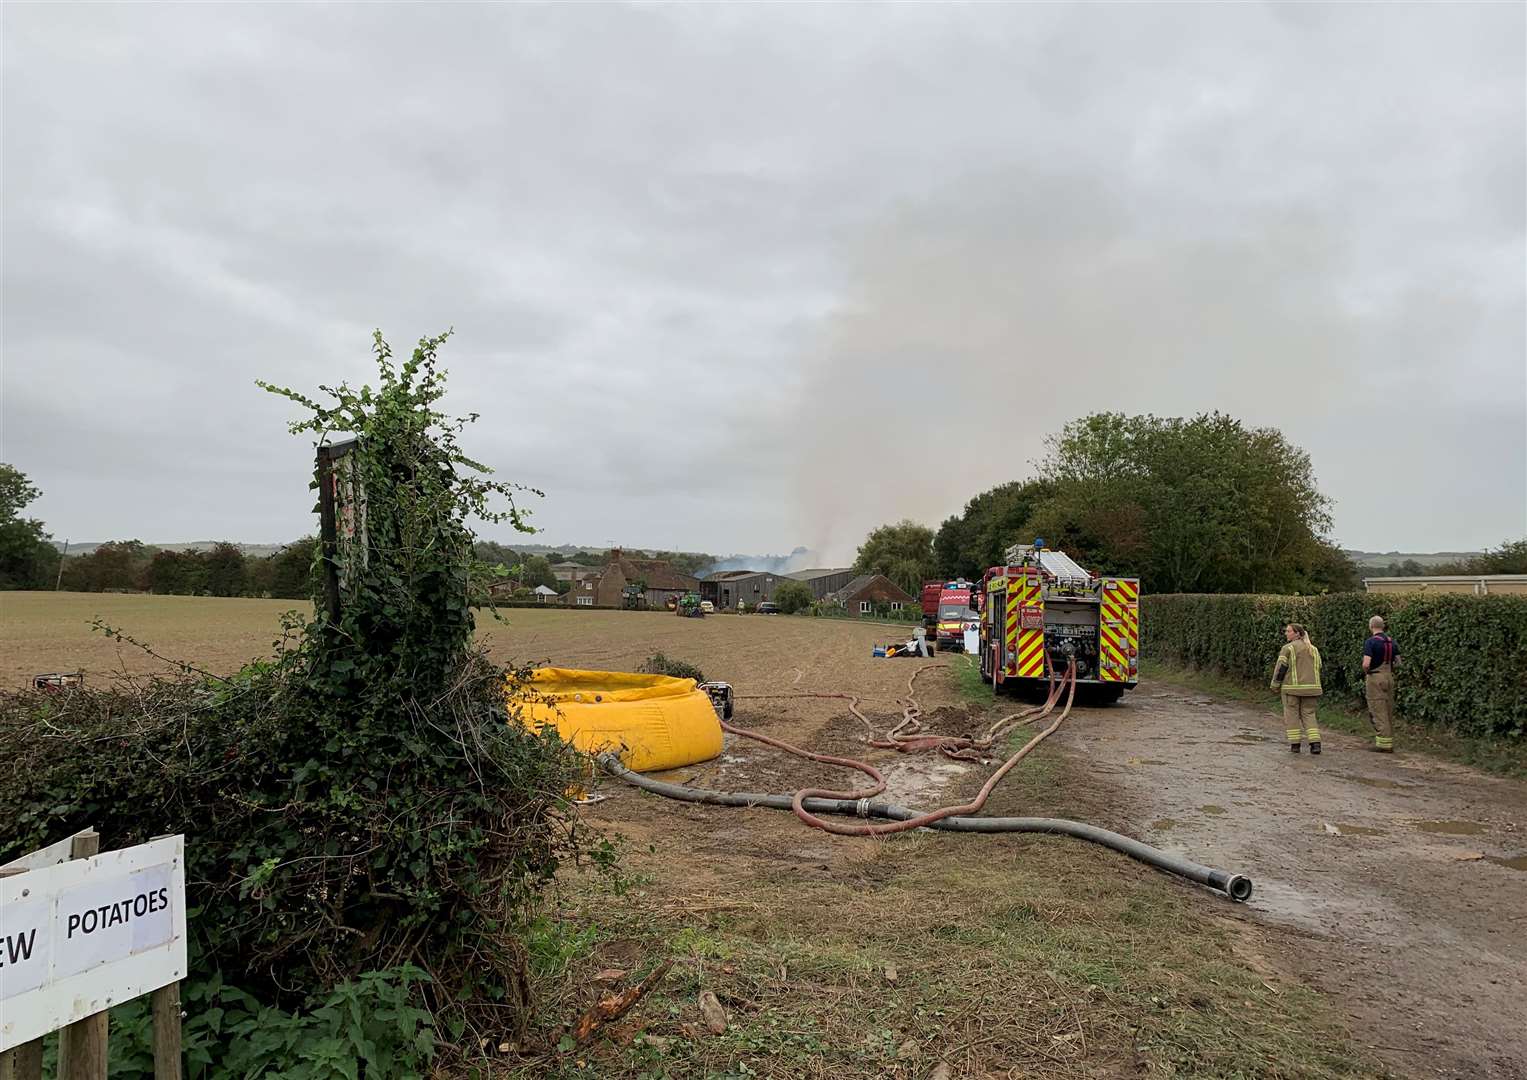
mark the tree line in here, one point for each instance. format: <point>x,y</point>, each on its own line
<point>1200,505</point>
<point>29,560</point>
<point>222,570</point>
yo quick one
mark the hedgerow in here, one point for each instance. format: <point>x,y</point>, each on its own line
<point>362,804</point>
<point>1463,664</point>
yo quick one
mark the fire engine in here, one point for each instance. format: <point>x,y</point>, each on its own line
<point>1041,612</point>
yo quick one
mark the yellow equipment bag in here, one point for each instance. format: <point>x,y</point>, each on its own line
<point>655,722</point>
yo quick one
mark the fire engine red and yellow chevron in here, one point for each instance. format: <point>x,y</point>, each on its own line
<point>1010,635</point>
<point>1118,628</point>
<point>1031,640</point>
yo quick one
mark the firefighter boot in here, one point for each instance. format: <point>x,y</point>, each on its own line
<point>1315,747</point>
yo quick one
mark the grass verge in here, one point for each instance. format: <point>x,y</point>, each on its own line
<point>1488,755</point>
<point>967,679</point>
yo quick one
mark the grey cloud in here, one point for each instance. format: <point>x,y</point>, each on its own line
<point>718,273</point>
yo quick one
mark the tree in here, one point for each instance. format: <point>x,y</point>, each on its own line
<point>178,573</point>
<point>291,570</point>
<point>537,571</point>
<point>793,596</point>
<point>902,552</point>
<point>686,562</point>
<point>977,538</point>
<point>121,565</point>
<point>1509,558</point>
<point>225,570</point>
<point>495,554</point>
<point>1192,505</point>
<point>28,560</point>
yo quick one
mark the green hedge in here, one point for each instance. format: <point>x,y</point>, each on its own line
<point>1464,657</point>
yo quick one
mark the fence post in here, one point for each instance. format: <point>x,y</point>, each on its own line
<point>22,1062</point>
<point>167,1047</point>
<point>82,1045</point>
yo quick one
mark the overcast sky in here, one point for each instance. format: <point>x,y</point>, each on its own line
<point>738,278</point>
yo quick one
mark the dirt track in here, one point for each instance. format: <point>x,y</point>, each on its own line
<point>1398,880</point>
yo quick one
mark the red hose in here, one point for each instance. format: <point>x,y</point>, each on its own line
<point>887,827</point>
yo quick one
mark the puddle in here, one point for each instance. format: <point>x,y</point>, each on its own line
<point>1518,862</point>
<point>1163,824</point>
<point>919,779</point>
<point>1377,781</point>
<point>1359,830</point>
<point>1451,828</point>
<point>1246,736</point>
<point>1280,899</point>
<point>1211,809</point>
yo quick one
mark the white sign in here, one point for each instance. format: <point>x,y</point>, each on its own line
<point>51,855</point>
<point>81,936</point>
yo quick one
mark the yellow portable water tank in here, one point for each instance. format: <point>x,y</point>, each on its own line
<point>655,722</point>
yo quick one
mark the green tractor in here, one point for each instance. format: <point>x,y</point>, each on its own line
<point>689,607</point>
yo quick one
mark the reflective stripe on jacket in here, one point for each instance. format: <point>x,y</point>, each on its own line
<point>1298,670</point>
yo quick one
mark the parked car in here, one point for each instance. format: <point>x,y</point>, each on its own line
<point>768,607</point>
<point>707,607</point>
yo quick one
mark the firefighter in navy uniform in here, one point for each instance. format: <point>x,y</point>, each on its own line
<point>1297,678</point>
<point>1380,658</point>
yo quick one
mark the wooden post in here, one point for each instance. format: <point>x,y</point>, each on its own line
<point>167,1049</point>
<point>23,1062</point>
<point>82,1045</point>
<point>328,532</point>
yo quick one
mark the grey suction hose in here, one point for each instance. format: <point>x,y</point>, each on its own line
<point>1235,886</point>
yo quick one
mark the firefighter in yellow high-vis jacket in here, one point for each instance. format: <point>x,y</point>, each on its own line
<point>1297,677</point>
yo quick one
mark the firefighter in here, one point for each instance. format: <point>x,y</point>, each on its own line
<point>1380,658</point>
<point>1297,677</point>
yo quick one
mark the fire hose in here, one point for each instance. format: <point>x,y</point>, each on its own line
<point>808,803</point>
<point>1234,886</point>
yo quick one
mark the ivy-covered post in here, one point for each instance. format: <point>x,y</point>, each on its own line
<point>396,499</point>
<point>328,531</point>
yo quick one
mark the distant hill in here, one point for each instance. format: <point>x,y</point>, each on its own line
<point>1380,560</point>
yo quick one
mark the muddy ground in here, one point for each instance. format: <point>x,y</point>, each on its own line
<point>1400,882</point>
<point>1395,883</point>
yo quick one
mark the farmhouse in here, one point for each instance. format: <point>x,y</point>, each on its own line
<point>868,591</point>
<point>606,587</point>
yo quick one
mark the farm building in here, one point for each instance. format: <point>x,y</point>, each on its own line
<point>868,591</point>
<point>606,587</point>
<point>571,571</point>
<point>728,588</point>
<point>1471,584</point>
<point>822,582</point>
